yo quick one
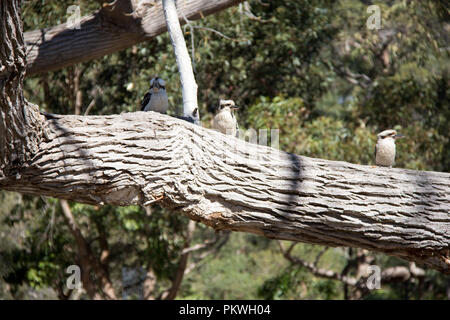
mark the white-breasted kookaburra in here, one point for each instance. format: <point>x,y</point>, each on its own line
<point>385,148</point>
<point>224,120</point>
<point>156,98</point>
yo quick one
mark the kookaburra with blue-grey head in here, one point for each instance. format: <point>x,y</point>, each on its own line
<point>225,120</point>
<point>156,98</point>
<point>385,148</point>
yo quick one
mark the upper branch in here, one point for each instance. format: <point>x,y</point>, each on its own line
<point>114,27</point>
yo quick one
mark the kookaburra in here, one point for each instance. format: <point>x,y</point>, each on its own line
<point>225,121</point>
<point>385,148</point>
<point>156,98</point>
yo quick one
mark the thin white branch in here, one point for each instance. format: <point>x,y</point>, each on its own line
<point>188,84</point>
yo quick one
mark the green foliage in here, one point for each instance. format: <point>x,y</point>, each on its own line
<point>294,282</point>
<point>236,271</point>
<point>282,284</point>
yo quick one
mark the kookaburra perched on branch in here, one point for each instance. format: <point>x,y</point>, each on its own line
<point>156,98</point>
<point>225,121</point>
<point>385,148</point>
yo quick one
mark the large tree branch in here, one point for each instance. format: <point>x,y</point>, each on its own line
<point>227,183</point>
<point>114,27</point>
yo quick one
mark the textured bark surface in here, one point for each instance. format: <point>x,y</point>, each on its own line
<point>112,28</point>
<point>226,183</point>
<point>20,121</point>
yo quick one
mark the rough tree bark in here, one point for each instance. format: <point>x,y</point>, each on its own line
<point>116,26</point>
<point>20,122</point>
<point>226,183</point>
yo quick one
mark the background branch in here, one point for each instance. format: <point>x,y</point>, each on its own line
<point>110,29</point>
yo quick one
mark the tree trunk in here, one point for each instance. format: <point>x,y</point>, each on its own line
<point>106,31</point>
<point>227,183</point>
<point>20,121</point>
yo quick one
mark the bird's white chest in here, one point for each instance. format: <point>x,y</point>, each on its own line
<point>385,155</point>
<point>225,122</point>
<point>158,102</point>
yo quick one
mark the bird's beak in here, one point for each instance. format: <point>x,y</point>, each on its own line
<point>235,107</point>
<point>399,135</point>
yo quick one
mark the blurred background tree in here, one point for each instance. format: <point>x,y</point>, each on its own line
<point>311,69</point>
